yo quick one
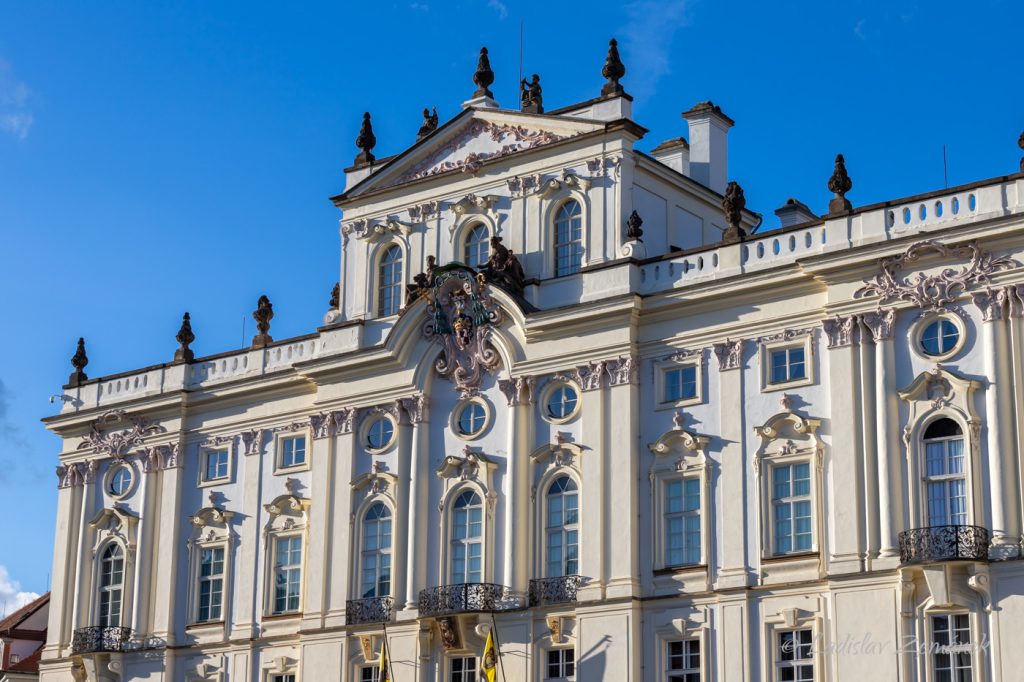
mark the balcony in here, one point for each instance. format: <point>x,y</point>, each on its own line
<point>560,590</point>
<point>943,543</point>
<point>366,611</point>
<point>98,638</point>
<point>448,600</point>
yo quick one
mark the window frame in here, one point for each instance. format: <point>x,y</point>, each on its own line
<point>927,479</point>
<point>450,672</point>
<point>200,579</point>
<point>467,232</point>
<point>280,438</point>
<point>378,280</point>
<point>679,455</point>
<point>204,453</point>
<point>919,326</point>
<point>275,540</point>
<point>359,552</point>
<point>678,362</point>
<point>451,540</point>
<point>121,588</point>
<point>463,405</point>
<point>556,211</point>
<point>683,630</point>
<point>790,501</point>
<point>670,672</point>
<point>546,663</point>
<point>112,471</point>
<point>931,651</point>
<point>548,391</point>
<point>545,529</point>
<point>371,419</point>
<point>779,664</point>
<point>769,345</point>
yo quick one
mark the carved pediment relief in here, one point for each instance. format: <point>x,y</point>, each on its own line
<point>377,480</point>
<point>789,433</point>
<point>686,447</point>
<point>940,391</point>
<point>934,289</point>
<point>469,465</point>
<point>115,522</point>
<point>560,453</point>
<point>287,512</point>
<point>472,139</point>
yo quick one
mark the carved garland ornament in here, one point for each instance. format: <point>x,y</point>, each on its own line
<point>938,290</point>
<point>462,315</point>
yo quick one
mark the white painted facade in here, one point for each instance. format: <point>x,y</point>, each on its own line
<point>848,430</point>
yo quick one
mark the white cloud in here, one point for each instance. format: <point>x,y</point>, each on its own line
<point>15,117</point>
<point>12,597</point>
<point>421,6</point>
<point>859,29</point>
<point>647,39</point>
<point>499,7</point>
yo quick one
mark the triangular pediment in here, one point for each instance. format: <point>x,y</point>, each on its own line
<point>470,140</point>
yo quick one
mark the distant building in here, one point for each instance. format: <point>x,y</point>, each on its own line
<point>575,397</point>
<point>22,635</point>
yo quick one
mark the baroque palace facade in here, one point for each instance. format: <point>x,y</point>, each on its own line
<point>576,397</point>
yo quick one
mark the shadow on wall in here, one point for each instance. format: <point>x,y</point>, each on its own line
<point>591,663</point>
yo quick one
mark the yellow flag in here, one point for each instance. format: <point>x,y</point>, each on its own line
<point>490,659</point>
<point>382,671</point>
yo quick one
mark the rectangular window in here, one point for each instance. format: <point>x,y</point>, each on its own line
<point>684,661</point>
<point>680,383</point>
<point>368,673</point>
<point>216,465</point>
<point>951,648</point>
<point>947,487</point>
<point>293,451</point>
<point>682,522</point>
<point>561,664</point>
<point>787,364</point>
<point>211,583</point>
<point>288,574</point>
<point>794,658</point>
<point>791,508</point>
<point>463,670</point>
<point>282,678</point>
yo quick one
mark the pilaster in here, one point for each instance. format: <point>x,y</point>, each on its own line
<point>887,446</point>
<point>320,537</point>
<point>249,596</point>
<point>518,508</point>
<point>339,552</point>
<point>619,446</point>
<point>65,571</point>
<point>168,546</point>
<point>734,565</point>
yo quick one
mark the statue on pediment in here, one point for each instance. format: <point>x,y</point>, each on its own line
<point>504,269</point>
<point>531,98</point>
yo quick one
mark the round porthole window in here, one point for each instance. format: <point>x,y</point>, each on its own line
<point>939,337</point>
<point>472,419</point>
<point>561,403</point>
<point>120,481</point>
<point>380,434</point>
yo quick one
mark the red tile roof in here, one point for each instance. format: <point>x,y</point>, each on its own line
<point>29,664</point>
<point>15,619</point>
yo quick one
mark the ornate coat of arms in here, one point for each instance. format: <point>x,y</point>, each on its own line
<point>461,314</point>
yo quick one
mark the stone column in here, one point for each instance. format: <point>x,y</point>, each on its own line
<point>66,545</point>
<point>85,476</point>
<point>734,565</point>
<point>249,595</point>
<point>321,535</point>
<point>887,416</point>
<point>845,524</point>
<point>1015,296</point>
<point>404,545</point>
<point>340,555</point>
<point>597,495</point>
<point>869,440</point>
<point>147,565</point>
<point>998,425</point>
<point>414,484</point>
<point>169,544</point>
<point>518,509</point>
<point>619,452</point>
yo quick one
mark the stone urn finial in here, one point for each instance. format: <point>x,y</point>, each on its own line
<point>263,314</point>
<point>184,338</point>
<point>366,142</point>
<point>613,71</point>
<point>79,360</point>
<point>839,184</point>
<point>483,77</point>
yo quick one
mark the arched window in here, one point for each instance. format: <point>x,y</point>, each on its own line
<point>945,474</point>
<point>389,295</point>
<point>375,567</point>
<point>562,528</point>
<point>467,539</point>
<point>111,586</point>
<point>568,239</point>
<point>477,248</point>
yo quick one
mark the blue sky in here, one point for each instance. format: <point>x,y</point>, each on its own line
<point>157,158</point>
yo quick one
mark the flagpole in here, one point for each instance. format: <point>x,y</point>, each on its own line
<point>387,652</point>
<point>497,645</point>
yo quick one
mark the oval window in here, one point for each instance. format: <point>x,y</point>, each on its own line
<point>939,337</point>
<point>380,433</point>
<point>472,419</point>
<point>562,402</point>
<point>120,481</point>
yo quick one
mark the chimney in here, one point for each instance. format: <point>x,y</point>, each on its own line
<point>794,212</point>
<point>674,153</point>
<point>709,145</point>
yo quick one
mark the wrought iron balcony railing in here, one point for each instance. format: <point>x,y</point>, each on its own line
<point>372,610</point>
<point>943,543</point>
<point>100,638</point>
<point>467,598</point>
<point>560,590</point>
